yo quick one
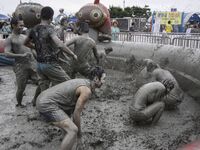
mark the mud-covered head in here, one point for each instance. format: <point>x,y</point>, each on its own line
<point>47,13</point>
<point>17,24</point>
<point>64,21</point>
<point>82,27</point>
<point>150,64</point>
<point>169,84</point>
<point>108,50</point>
<point>97,75</point>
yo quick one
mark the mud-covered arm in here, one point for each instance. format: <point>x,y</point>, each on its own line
<point>8,50</point>
<point>62,46</point>
<point>28,41</point>
<point>96,55</point>
<point>83,94</point>
<point>70,42</point>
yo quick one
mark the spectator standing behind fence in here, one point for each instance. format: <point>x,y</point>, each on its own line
<point>169,27</point>
<point>6,30</point>
<point>132,28</point>
<point>115,30</point>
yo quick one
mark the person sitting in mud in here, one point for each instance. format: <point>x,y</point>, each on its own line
<point>153,72</point>
<point>147,106</point>
<point>25,64</point>
<point>58,103</point>
<point>83,48</point>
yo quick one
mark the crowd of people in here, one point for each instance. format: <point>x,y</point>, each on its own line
<point>60,96</point>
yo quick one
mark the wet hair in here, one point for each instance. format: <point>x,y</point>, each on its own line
<point>62,21</point>
<point>61,10</point>
<point>108,50</point>
<point>169,22</point>
<point>15,20</point>
<point>168,83</point>
<point>83,27</point>
<point>96,71</point>
<point>47,13</point>
<point>151,65</point>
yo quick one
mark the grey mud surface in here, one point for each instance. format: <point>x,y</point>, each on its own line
<point>105,120</point>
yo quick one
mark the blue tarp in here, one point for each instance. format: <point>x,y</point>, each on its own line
<point>4,17</point>
<point>6,61</point>
<point>194,18</point>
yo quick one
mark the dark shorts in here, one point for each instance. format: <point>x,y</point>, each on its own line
<point>51,73</point>
<point>54,116</point>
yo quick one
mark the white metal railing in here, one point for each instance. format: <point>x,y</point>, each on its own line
<point>176,39</point>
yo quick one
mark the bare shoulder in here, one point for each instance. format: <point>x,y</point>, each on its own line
<point>84,90</point>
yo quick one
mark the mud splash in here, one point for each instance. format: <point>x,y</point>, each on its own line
<point>105,120</point>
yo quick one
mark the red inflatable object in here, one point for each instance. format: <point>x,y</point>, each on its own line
<point>2,45</point>
<point>97,15</point>
<point>191,146</point>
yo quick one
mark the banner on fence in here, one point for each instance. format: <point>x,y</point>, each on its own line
<point>174,17</point>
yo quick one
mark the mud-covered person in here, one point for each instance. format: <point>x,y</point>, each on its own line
<point>103,55</point>
<point>147,105</point>
<point>155,73</point>
<point>145,75</point>
<point>64,60</point>
<point>84,46</point>
<point>47,45</point>
<point>24,60</point>
<point>176,95</point>
<point>58,103</point>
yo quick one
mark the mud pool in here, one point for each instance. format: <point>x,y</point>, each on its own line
<point>105,120</point>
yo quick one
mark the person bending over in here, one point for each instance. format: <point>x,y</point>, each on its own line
<point>58,103</point>
<point>147,106</point>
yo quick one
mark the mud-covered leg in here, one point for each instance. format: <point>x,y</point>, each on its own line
<point>154,111</point>
<point>37,92</point>
<point>21,85</point>
<point>71,133</point>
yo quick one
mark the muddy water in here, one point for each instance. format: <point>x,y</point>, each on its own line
<point>105,120</point>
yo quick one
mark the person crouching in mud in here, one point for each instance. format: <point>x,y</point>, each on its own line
<point>147,106</point>
<point>57,103</point>
<point>153,72</point>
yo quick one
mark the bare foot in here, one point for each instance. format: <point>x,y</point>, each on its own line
<point>20,105</point>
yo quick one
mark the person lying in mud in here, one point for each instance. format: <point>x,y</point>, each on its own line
<point>58,103</point>
<point>25,64</point>
<point>148,105</point>
<point>47,45</point>
<point>84,46</point>
<point>155,73</point>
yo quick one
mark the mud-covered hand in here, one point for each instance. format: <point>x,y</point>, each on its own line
<point>27,55</point>
<point>75,57</point>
